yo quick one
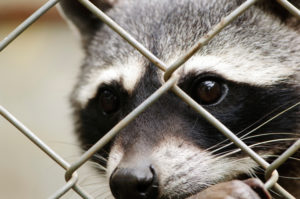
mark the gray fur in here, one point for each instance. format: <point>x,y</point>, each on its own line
<point>256,32</point>
<point>264,34</point>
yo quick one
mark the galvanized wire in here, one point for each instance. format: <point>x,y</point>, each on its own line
<point>118,29</point>
<point>45,148</point>
<point>207,37</point>
<point>290,7</point>
<point>124,122</point>
<point>231,136</point>
<point>31,136</point>
<point>281,159</point>
<point>170,84</point>
<point>63,190</point>
<point>30,20</point>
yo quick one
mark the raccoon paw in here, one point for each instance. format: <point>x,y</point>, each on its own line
<point>236,189</point>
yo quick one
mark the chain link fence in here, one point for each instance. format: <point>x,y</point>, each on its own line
<point>71,175</point>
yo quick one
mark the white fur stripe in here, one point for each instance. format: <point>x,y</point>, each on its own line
<point>253,70</point>
<point>233,65</point>
<point>127,74</point>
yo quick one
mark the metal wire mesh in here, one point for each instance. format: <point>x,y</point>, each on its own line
<point>170,84</point>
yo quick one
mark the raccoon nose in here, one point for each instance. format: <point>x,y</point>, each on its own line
<point>134,183</point>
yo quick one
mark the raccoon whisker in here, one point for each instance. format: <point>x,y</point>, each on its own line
<point>248,127</point>
<point>71,157</point>
<point>280,176</point>
<point>270,147</point>
<point>92,177</point>
<point>254,174</point>
<point>268,141</point>
<point>236,160</point>
<point>96,188</point>
<point>99,185</point>
<point>265,156</point>
<point>253,130</point>
<point>272,118</point>
<point>250,172</point>
<point>261,125</point>
<point>97,166</point>
<point>88,182</point>
<point>227,152</point>
<point>289,178</point>
<point>96,162</point>
<point>99,157</point>
<point>272,141</point>
<point>274,192</point>
<point>255,145</point>
<point>247,138</point>
<point>88,172</point>
<point>291,157</point>
<point>70,144</point>
<point>220,148</point>
<point>267,134</point>
<point>284,177</point>
<point>218,144</point>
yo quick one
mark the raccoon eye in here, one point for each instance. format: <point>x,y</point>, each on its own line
<point>208,91</point>
<point>109,101</point>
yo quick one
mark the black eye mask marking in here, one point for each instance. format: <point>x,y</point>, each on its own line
<point>236,105</point>
<point>206,89</point>
<point>101,114</point>
<point>109,100</point>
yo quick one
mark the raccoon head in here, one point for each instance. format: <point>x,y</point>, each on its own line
<point>244,76</point>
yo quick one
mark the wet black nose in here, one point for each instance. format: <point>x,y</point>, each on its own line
<point>134,183</point>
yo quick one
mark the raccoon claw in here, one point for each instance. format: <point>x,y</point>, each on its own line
<point>236,189</point>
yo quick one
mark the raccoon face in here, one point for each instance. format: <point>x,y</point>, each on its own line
<point>246,75</point>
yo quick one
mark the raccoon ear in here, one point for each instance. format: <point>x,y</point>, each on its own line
<point>85,21</point>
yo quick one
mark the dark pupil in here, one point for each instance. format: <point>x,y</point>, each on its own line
<point>208,92</point>
<point>108,101</point>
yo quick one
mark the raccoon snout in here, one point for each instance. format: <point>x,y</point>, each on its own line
<point>134,182</point>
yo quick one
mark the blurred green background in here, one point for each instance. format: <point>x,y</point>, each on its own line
<point>37,72</point>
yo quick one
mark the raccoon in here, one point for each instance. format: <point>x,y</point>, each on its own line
<point>247,76</point>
